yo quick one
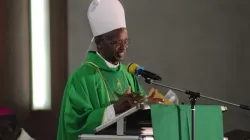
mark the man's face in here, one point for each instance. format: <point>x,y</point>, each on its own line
<point>115,46</point>
<point>8,131</point>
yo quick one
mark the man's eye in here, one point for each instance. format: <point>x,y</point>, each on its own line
<point>125,42</point>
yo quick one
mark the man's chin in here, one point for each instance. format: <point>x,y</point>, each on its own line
<point>120,57</point>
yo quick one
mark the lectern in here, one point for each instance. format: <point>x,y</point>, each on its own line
<point>134,124</point>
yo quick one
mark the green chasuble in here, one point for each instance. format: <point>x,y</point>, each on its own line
<point>89,91</point>
<point>172,122</point>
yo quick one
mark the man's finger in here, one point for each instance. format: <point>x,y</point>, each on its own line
<point>159,99</point>
<point>140,98</point>
<point>131,102</point>
<point>135,93</point>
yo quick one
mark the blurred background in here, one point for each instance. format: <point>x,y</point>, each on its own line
<point>200,45</point>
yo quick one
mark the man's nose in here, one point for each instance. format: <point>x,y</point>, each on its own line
<point>123,47</point>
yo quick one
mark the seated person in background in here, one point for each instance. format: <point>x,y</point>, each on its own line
<point>102,87</point>
<point>9,126</point>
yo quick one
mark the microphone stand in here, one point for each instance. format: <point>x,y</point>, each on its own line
<point>193,96</point>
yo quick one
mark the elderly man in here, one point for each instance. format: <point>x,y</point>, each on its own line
<point>10,128</point>
<point>102,87</point>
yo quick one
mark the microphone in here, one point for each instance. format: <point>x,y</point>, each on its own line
<point>135,69</point>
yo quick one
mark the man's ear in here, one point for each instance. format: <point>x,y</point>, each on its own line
<point>99,48</point>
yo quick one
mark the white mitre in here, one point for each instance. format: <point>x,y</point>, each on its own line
<point>105,16</point>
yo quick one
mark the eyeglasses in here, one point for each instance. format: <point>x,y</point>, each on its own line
<point>120,42</point>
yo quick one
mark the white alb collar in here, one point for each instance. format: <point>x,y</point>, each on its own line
<point>108,63</point>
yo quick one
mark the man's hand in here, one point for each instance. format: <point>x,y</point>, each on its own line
<point>127,101</point>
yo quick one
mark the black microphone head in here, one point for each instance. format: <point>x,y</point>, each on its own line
<point>135,69</point>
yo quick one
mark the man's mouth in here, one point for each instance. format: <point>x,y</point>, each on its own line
<point>121,53</point>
